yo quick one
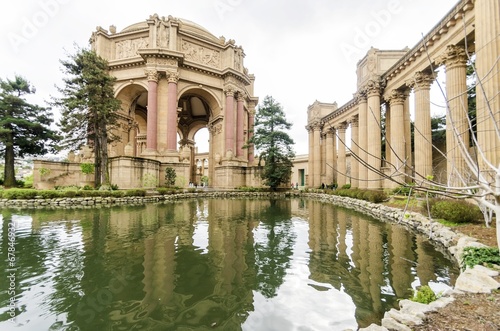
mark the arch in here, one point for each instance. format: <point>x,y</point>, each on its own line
<point>214,102</point>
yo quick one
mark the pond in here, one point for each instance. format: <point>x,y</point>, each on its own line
<point>209,264</point>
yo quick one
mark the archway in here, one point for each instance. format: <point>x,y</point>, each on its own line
<point>196,111</point>
<point>133,120</point>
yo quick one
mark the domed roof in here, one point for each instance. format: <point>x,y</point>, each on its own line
<point>136,26</point>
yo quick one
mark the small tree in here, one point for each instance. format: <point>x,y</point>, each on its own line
<point>274,144</point>
<point>24,127</point>
<point>170,176</point>
<point>89,109</point>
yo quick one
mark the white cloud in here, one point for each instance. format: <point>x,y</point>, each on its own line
<point>293,47</point>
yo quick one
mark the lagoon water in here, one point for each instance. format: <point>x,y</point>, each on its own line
<point>209,264</point>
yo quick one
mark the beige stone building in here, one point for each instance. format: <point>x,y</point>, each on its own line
<point>173,78</point>
<point>385,79</point>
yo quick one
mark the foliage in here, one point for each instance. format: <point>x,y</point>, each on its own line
<point>403,189</point>
<point>249,189</point>
<point>273,143</point>
<point>28,181</point>
<point>88,108</point>
<point>135,193</point>
<point>87,168</point>
<point>367,195</point>
<point>485,256</point>
<point>424,295</point>
<point>24,127</point>
<point>170,176</point>
<point>148,180</point>
<point>346,186</point>
<point>44,172</point>
<point>457,211</point>
<point>204,180</point>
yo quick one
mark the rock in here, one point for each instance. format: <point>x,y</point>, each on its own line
<point>391,324</point>
<point>476,280</point>
<point>374,327</point>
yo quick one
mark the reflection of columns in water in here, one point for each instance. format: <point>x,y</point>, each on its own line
<point>400,254</point>
<point>159,268</point>
<point>375,255</point>
<point>342,220</point>
<point>425,264</point>
<point>314,226</point>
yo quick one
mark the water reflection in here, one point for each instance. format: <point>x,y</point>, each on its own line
<point>224,264</point>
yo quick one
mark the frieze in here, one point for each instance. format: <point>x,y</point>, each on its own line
<point>200,54</point>
<point>128,48</point>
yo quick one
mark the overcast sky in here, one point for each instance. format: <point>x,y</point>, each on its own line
<point>299,51</point>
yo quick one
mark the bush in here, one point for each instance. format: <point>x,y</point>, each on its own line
<point>403,189</point>
<point>135,193</point>
<point>485,256</point>
<point>457,211</point>
<point>20,193</point>
<point>424,295</point>
<point>346,186</point>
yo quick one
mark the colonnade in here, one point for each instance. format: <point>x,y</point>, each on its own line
<point>386,90</point>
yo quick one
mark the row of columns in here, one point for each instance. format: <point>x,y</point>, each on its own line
<point>366,134</point>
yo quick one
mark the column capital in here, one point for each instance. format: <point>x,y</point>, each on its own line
<point>453,56</point>
<point>374,87</point>
<point>229,91</point>
<point>172,76</point>
<point>396,97</point>
<point>341,127</point>
<point>354,121</point>
<point>152,75</point>
<point>330,131</point>
<point>421,80</point>
<point>241,96</point>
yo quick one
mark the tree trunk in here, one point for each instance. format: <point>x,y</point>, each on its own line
<point>9,172</point>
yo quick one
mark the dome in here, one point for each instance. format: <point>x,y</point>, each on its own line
<point>190,26</point>
<point>136,26</point>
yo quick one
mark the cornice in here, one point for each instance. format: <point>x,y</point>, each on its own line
<point>439,29</point>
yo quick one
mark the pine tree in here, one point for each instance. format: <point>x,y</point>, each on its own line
<point>24,127</point>
<point>273,144</point>
<point>89,109</point>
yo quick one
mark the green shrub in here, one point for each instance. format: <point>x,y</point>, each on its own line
<point>403,189</point>
<point>457,211</point>
<point>20,193</point>
<point>485,256</point>
<point>49,194</point>
<point>375,196</point>
<point>135,193</point>
<point>117,194</point>
<point>346,186</point>
<point>424,295</point>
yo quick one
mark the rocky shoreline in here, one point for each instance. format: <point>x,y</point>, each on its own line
<point>476,280</point>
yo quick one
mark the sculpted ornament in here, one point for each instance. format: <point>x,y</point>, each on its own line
<point>172,77</point>
<point>200,54</point>
<point>421,80</point>
<point>128,48</point>
<point>396,97</point>
<point>453,56</point>
<point>152,75</point>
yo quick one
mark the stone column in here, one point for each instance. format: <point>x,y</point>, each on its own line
<point>172,78</point>
<point>240,125</point>
<point>374,135</point>
<point>354,152</point>
<point>310,159</point>
<point>397,141</point>
<point>407,133</point>
<point>341,161</point>
<point>229,120</point>
<point>423,134</point>
<point>317,155</point>
<point>330,154</point>
<point>363,140</point>
<point>251,123</point>
<point>457,127</point>
<point>487,46</point>
<point>387,133</point>
<point>152,114</point>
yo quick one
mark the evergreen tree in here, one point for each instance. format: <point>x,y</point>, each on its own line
<point>273,144</point>
<point>24,127</point>
<point>89,109</point>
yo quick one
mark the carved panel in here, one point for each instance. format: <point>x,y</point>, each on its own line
<point>128,48</point>
<point>200,54</point>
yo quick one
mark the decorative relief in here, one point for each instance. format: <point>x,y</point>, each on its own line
<point>128,48</point>
<point>373,87</point>
<point>162,34</point>
<point>215,129</point>
<point>238,58</point>
<point>200,54</point>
